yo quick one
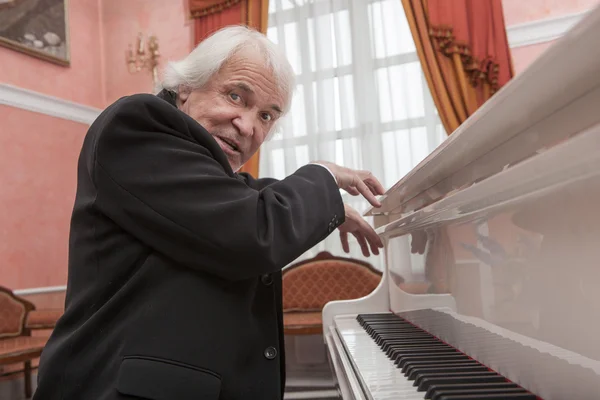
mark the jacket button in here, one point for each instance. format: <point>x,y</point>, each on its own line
<point>266,279</point>
<point>270,353</point>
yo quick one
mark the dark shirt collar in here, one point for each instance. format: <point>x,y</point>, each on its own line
<point>169,96</point>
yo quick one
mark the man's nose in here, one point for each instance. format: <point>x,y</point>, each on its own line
<point>244,124</point>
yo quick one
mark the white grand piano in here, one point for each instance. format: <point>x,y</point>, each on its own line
<point>491,288</point>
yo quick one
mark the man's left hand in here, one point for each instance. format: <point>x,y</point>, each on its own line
<point>362,231</point>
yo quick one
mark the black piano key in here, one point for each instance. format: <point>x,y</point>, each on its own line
<point>434,389</point>
<point>400,333</point>
<point>390,327</point>
<point>418,342</point>
<point>395,354</point>
<point>432,380</point>
<point>424,375</point>
<point>392,351</point>
<point>464,363</point>
<point>377,317</point>
<point>399,344</point>
<point>392,339</point>
<point>402,361</point>
<point>469,368</point>
<point>425,350</point>
<point>434,364</point>
<point>508,396</point>
<point>440,393</point>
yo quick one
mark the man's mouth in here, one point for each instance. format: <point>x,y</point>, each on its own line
<point>228,145</point>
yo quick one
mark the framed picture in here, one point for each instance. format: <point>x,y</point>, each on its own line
<point>36,27</point>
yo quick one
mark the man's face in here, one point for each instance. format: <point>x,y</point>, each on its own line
<point>238,106</point>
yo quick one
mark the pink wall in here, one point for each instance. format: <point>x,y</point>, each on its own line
<point>38,153</point>
<point>122,20</point>
<point>80,82</point>
<point>38,158</point>
<point>519,12</point>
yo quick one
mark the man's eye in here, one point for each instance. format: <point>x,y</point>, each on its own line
<point>266,116</point>
<point>234,96</point>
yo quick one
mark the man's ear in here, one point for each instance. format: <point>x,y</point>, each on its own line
<point>183,93</point>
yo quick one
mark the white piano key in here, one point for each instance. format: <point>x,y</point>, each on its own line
<point>383,379</point>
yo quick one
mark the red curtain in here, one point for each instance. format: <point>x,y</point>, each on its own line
<point>212,15</point>
<point>464,52</point>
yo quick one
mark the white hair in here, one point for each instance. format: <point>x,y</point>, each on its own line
<point>198,67</point>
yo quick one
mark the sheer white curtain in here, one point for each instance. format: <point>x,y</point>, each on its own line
<point>361,99</point>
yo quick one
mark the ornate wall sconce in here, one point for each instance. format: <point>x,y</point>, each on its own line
<point>143,58</point>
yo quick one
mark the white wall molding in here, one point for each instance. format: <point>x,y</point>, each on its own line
<point>42,103</point>
<point>541,31</point>
<point>40,290</point>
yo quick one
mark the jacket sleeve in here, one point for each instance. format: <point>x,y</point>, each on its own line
<point>257,184</point>
<point>156,179</point>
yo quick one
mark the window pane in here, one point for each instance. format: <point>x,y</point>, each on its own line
<point>333,101</point>
<point>292,48</point>
<point>297,112</point>
<point>402,151</point>
<point>272,34</point>
<point>400,92</point>
<point>347,153</point>
<point>278,164</point>
<point>343,37</point>
<point>345,107</point>
<point>390,29</point>
<point>324,101</point>
<point>302,155</point>
<point>322,55</point>
<point>334,40</point>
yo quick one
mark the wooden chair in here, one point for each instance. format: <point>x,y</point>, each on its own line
<point>16,343</point>
<point>310,284</point>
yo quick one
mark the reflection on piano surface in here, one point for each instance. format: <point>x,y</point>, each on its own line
<point>492,250</point>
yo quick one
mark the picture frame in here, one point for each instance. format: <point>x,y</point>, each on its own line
<point>38,28</point>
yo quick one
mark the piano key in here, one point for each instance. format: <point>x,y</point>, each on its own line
<point>389,343</point>
<point>429,381</point>
<point>395,354</point>
<point>434,389</point>
<point>439,394</point>
<point>465,363</point>
<point>435,364</point>
<point>470,368</point>
<point>508,396</point>
<point>402,361</point>
<point>433,375</point>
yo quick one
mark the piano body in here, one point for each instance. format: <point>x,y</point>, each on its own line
<point>492,251</point>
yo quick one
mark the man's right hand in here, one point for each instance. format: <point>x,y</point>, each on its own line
<point>356,182</point>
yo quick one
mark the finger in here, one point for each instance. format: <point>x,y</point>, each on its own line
<point>344,239</point>
<point>371,236</point>
<point>352,190</point>
<point>374,190</point>
<point>374,184</point>
<point>362,242</point>
<point>366,192</point>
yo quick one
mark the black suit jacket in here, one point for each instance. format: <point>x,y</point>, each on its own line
<point>174,284</point>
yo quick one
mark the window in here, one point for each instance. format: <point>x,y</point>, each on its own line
<point>361,99</point>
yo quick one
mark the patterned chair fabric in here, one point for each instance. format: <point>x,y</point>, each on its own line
<point>13,313</point>
<point>16,343</point>
<point>310,284</point>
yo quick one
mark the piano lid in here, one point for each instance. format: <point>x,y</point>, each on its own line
<point>554,99</point>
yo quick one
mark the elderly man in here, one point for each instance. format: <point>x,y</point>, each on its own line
<point>174,288</point>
